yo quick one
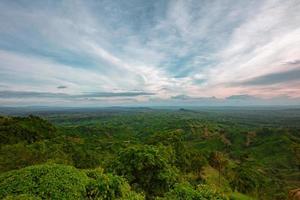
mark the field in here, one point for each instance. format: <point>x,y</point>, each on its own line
<point>154,153</point>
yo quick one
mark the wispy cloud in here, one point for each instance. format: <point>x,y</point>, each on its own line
<point>163,48</point>
<point>274,78</point>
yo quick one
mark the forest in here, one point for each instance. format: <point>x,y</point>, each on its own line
<point>225,153</point>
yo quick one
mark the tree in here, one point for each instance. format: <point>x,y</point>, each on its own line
<point>147,168</point>
<point>25,129</point>
<point>175,139</point>
<point>108,186</point>
<point>218,161</point>
<point>248,178</point>
<point>198,161</point>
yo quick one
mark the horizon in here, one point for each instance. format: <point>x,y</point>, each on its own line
<point>86,54</point>
<point>156,107</point>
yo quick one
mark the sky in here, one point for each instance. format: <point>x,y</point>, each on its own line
<point>149,52</point>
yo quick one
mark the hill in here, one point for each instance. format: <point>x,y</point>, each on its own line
<point>160,153</point>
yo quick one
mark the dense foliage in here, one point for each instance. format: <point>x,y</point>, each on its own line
<point>150,154</point>
<point>29,130</point>
<point>147,168</point>
<point>63,182</point>
<point>45,181</point>
<point>188,192</point>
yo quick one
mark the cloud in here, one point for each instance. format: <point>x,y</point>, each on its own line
<point>181,97</point>
<point>243,97</point>
<point>31,94</point>
<point>189,98</point>
<point>188,47</point>
<point>273,78</point>
<point>116,94</point>
<point>234,100</point>
<point>62,87</point>
<point>293,62</point>
<point>9,98</point>
<point>258,45</point>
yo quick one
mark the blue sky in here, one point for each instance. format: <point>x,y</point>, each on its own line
<point>143,52</point>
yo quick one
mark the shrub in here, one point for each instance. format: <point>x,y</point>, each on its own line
<point>63,182</point>
<point>185,191</point>
<point>108,186</point>
<point>22,197</point>
<point>45,181</point>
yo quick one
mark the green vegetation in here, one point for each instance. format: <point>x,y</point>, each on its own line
<point>63,182</point>
<point>188,192</point>
<point>147,168</point>
<point>135,154</point>
<point>45,181</point>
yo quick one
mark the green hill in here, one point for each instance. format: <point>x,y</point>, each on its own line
<point>160,155</point>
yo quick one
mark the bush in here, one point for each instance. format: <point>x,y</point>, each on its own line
<point>63,182</point>
<point>108,186</point>
<point>22,197</point>
<point>185,191</point>
<point>45,181</point>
